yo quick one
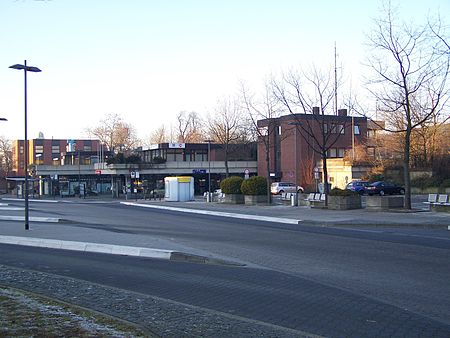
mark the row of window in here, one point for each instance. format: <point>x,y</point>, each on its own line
<point>336,152</point>
<point>179,155</point>
<point>331,128</point>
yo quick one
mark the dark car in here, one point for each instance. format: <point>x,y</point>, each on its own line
<point>358,186</point>
<point>384,188</point>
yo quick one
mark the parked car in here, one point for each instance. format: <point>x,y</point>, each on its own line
<point>358,186</point>
<point>277,188</point>
<point>384,188</point>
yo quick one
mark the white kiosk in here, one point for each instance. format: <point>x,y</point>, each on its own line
<point>179,188</point>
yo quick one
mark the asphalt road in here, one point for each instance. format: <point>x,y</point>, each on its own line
<point>257,294</point>
<point>329,270</point>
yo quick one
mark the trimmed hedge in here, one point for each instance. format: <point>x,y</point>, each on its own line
<point>231,185</point>
<point>342,192</point>
<point>255,185</point>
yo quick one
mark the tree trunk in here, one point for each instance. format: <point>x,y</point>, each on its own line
<point>406,171</point>
<point>269,196</point>
<point>227,170</point>
<point>325,177</point>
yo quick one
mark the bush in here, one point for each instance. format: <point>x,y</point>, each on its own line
<point>373,177</point>
<point>255,185</point>
<point>425,182</point>
<point>231,185</point>
<point>342,192</point>
<point>446,183</point>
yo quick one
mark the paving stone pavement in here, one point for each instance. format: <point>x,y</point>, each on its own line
<point>159,316</point>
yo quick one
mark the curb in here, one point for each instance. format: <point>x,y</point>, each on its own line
<point>218,213</point>
<point>29,200</point>
<point>88,247</point>
<point>113,249</point>
<point>31,219</point>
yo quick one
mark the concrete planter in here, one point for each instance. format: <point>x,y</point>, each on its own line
<point>344,202</point>
<point>255,199</point>
<point>233,199</point>
<point>384,202</point>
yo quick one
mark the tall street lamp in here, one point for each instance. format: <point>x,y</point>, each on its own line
<point>209,168</point>
<point>26,69</point>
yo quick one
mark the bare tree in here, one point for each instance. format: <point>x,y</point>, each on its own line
<point>5,155</point>
<point>265,108</point>
<point>190,127</point>
<point>5,159</point>
<point>117,134</point>
<point>227,126</point>
<point>312,93</point>
<point>159,135</point>
<point>410,80</point>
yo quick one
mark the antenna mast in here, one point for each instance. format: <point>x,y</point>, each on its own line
<point>335,80</point>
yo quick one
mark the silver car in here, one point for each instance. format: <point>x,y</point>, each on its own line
<point>282,187</point>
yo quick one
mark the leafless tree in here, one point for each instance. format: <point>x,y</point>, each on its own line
<point>117,134</point>
<point>227,126</point>
<point>410,81</point>
<point>5,155</point>
<point>159,135</point>
<point>5,159</point>
<point>265,107</point>
<point>190,127</point>
<point>311,93</point>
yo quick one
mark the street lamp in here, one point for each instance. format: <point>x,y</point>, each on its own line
<point>209,168</point>
<point>3,119</point>
<point>26,69</point>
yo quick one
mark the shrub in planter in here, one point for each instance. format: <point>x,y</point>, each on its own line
<point>255,185</point>
<point>231,185</point>
<point>342,192</point>
<point>344,199</point>
<point>255,190</point>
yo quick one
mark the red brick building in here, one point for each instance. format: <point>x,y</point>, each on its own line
<point>54,152</point>
<point>294,141</point>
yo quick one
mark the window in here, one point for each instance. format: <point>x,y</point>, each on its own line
<point>332,152</point>
<point>340,152</point>
<point>333,129</point>
<point>55,149</point>
<point>279,130</point>
<point>341,129</point>
<point>356,130</point>
<point>87,148</point>
<point>39,149</point>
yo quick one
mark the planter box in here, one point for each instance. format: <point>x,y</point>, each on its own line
<point>233,199</point>
<point>255,199</point>
<point>344,202</point>
<point>384,202</point>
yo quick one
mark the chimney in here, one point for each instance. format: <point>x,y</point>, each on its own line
<point>316,111</point>
<point>342,112</point>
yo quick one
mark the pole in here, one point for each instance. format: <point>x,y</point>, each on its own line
<point>209,170</point>
<point>25,146</point>
<point>353,139</point>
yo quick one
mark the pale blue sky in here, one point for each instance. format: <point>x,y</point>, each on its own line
<point>147,60</point>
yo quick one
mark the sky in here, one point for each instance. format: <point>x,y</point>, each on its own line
<point>148,60</point>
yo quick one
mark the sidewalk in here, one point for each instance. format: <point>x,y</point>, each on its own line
<point>310,216</point>
<point>419,216</point>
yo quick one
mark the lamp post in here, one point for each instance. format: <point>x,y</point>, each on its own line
<point>26,69</point>
<point>209,168</point>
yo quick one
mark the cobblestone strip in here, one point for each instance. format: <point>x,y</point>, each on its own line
<point>162,317</point>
